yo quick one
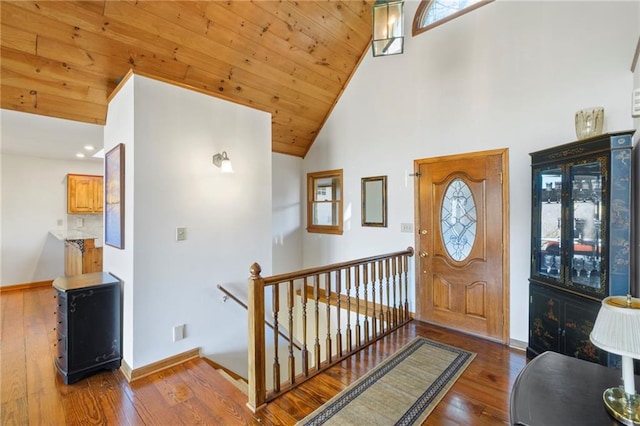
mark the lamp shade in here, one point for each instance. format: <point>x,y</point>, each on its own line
<point>226,166</point>
<point>222,161</point>
<point>617,327</point>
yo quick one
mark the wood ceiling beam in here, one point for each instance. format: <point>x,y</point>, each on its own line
<point>34,102</point>
<point>75,91</point>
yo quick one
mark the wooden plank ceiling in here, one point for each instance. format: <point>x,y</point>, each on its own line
<point>292,59</point>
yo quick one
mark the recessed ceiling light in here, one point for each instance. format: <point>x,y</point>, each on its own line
<point>80,155</point>
<point>89,147</point>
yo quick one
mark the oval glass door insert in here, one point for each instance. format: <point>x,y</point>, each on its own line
<point>459,219</point>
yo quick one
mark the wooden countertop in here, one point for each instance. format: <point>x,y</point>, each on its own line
<point>84,280</point>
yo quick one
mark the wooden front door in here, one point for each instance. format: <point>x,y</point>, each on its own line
<point>462,264</point>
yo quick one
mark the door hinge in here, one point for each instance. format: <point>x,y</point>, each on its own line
<point>416,174</point>
<point>500,178</point>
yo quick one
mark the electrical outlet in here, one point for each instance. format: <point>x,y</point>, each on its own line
<point>178,332</point>
<point>406,227</point>
<point>79,223</point>
<point>59,222</point>
<point>181,234</point>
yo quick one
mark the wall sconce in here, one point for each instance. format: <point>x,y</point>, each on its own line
<point>617,330</point>
<point>222,161</point>
<point>388,18</point>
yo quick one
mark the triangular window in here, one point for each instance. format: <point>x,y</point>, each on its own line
<point>432,13</point>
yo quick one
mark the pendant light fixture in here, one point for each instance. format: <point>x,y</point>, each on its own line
<point>388,18</point>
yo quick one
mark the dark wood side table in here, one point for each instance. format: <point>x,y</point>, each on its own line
<point>89,325</point>
<point>556,389</point>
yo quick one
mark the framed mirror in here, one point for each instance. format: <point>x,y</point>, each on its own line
<point>374,201</point>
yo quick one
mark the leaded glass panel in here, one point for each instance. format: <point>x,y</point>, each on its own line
<point>458,220</point>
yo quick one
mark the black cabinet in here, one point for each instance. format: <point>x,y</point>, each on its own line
<point>562,323</point>
<point>580,241</point>
<point>88,325</point>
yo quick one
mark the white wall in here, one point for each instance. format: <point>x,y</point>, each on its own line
<point>510,74</point>
<point>289,188</point>
<point>119,128</point>
<point>33,199</point>
<point>170,136</point>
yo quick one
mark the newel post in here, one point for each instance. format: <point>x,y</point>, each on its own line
<point>257,373</point>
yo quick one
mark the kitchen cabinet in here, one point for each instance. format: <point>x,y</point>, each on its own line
<point>580,241</point>
<point>85,194</point>
<point>88,325</point>
<point>81,257</point>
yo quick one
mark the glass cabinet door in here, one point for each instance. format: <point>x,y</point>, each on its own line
<point>549,262</point>
<point>585,230</point>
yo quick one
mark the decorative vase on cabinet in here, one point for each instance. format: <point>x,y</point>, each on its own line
<point>580,241</point>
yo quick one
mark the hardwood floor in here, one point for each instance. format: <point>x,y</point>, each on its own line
<point>194,393</point>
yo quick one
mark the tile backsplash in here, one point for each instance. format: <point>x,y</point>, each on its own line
<point>87,223</point>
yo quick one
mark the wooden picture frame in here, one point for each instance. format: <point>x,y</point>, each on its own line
<point>374,201</point>
<point>114,197</point>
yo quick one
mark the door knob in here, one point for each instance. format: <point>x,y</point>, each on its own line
<point>423,232</point>
<point>423,254</point>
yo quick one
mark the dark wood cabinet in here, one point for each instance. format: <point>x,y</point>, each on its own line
<point>562,323</point>
<point>88,325</point>
<point>580,241</point>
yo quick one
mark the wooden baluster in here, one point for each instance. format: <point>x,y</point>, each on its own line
<point>400,304</point>
<point>316,298</point>
<point>347,275</point>
<point>305,353</point>
<point>374,316</point>
<point>365,281</point>
<point>276,362</point>
<point>292,359</point>
<point>406,286</point>
<point>395,302</point>
<point>381,317</point>
<point>256,374</point>
<point>358,331</point>
<point>338,308</point>
<point>327,292</point>
<point>390,323</point>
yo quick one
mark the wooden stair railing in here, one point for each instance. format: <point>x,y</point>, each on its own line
<point>362,301</point>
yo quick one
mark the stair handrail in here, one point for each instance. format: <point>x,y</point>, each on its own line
<point>332,267</point>
<point>244,305</point>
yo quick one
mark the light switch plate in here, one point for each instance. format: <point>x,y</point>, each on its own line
<point>406,227</point>
<point>178,332</point>
<point>635,103</point>
<point>181,234</point>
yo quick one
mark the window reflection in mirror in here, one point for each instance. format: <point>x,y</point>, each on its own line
<point>324,202</point>
<point>374,201</point>
<point>550,222</point>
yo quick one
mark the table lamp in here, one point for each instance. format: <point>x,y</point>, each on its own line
<point>617,330</point>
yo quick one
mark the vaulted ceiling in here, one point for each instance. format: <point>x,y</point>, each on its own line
<point>292,59</point>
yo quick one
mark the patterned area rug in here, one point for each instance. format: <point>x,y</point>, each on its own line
<point>403,390</point>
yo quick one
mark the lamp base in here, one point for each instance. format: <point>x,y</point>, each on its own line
<point>623,407</point>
